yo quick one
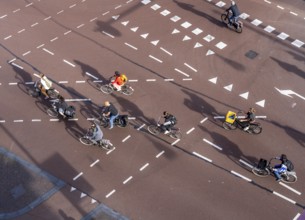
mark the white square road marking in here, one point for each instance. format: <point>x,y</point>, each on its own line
<point>208,38</point>
<point>283,36</point>
<point>297,43</point>
<point>269,29</point>
<point>186,24</point>
<point>145,2</point>
<point>165,12</point>
<point>197,31</point>
<point>244,16</point>
<point>220,4</point>
<point>221,45</point>
<point>155,7</point>
<point>175,18</point>
<point>256,22</point>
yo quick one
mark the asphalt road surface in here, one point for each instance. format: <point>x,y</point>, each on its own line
<point>178,57</point>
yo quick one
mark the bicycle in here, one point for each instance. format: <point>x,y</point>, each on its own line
<point>156,130</point>
<point>36,92</point>
<point>264,168</point>
<point>126,89</point>
<point>104,143</point>
<point>237,26</point>
<point>53,111</point>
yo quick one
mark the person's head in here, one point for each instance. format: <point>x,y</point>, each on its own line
<point>117,73</point>
<point>252,110</point>
<point>233,2</point>
<point>124,78</point>
<point>283,157</point>
<point>61,98</point>
<point>107,103</point>
<point>165,113</point>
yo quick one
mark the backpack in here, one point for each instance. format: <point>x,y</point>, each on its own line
<point>173,119</point>
<point>289,165</point>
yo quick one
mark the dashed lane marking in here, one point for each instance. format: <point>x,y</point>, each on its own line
<point>109,194</point>
<point>156,59</point>
<point>203,120</point>
<point>159,154</point>
<point>189,131</point>
<point>175,142</point>
<point>212,144</point>
<point>284,197</point>
<point>183,73</point>
<point>139,128</point>
<point>127,180</point>
<point>69,63</point>
<point>202,157</point>
<point>77,176</point>
<point>290,188</point>
<point>241,176</point>
<point>95,162</point>
<point>106,33</point>
<point>144,166</point>
<point>131,46</point>
<point>126,138</point>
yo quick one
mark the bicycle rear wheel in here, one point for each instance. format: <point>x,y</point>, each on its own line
<point>260,172</point>
<point>85,141</point>
<point>153,129</point>
<point>256,129</point>
<point>106,89</point>
<point>33,93</point>
<point>52,112</point>
<point>229,126</point>
<point>105,144</point>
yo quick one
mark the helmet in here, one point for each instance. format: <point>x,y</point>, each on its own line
<point>117,73</point>
<point>233,2</point>
<point>106,103</point>
<point>165,113</point>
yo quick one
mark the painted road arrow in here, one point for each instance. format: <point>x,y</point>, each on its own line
<point>289,93</point>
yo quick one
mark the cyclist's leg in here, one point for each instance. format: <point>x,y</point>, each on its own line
<point>111,120</point>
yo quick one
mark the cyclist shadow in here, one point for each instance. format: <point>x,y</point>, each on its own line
<point>95,79</point>
<point>73,129</point>
<point>23,76</point>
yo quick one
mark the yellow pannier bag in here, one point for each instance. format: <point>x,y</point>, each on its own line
<point>230,117</point>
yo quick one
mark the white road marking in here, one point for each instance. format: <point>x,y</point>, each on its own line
<point>26,53</point>
<point>261,103</point>
<point>283,36</point>
<point>13,83</point>
<point>126,138</point>
<point>108,152</point>
<point>80,81</point>
<point>21,31</point>
<point>41,45</point>
<point>140,127</point>
<point>186,24</point>
<point>106,13</point>
<point>67,32</point>
<point>183,73</point>
<point>129,45</point>
<point>284,197</point>
<point>8,37</point>
<point>81,25</point>
<point>150,80</point>
<point>18,121</point>
<point>267,1</point>
<point>297,216</point>
<point>118,7</point>
<point>89,74</point>
<point>73,119</point>
<point>16,10</point>
<point>297,43</point>
<point>202,157</point>
<point>109,35</point>
<point>16,65</point>
<point>159,154</point>
<point>47,18</point>
<point>280,7</point>
<point>95,162</point>
<point>293,13</point>
<point>2,121</point>
<point>109,194</point>
<point>189,66</point>
<point>77,100</point>
<point>82,195</point>
<point>78,175</point>
<point>175,142</point>
<point>62,82</point>
<point>152,57</point>
<point>54,119</point>
<point>212,144</point>
<point>187,79</point>
<point>144,166</point>
<point>166,51</point>
<point>127,180</point>
<point>71,6</point>
<point>245,163</point>
<point>155,42</point>
<point>189,131</point>
<point>290,188</point>
<point>29,4</point>
<point>54,39</point>
<point>241,176</point>
<point>93,19</point>
<point>169,80</point>
<point>203,120</point>
<point>133,80</point>
<point>155,7</point>
<point>3,16</point>
<point>33,25</point>
<point>71,64</point>
<point>60,12</point>
<point>36,120</point>
<point>49,52</point>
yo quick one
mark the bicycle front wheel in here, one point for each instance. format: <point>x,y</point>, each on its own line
<point>52,112</point>
<point>289,178</point>
<point>175,134</point>
<point>85,141</point>
<point>260,172</point>
<point>127,90</point>
<point>224,18</point>
<point>153,129</point>
<point>106,89</point>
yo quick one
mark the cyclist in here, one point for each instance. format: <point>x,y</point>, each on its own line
<point>45,85</point>
<point>235,13</point>
<point>110,111</point>
<point>120,80</point>
<point>169,122</point>
<point>250,117</point>
<point>61,105</point>
<point>280,168</point>
<point>96,133</point>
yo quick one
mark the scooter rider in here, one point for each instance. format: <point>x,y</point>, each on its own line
<point>235,13</point>
<point>96,133</point>
<point>169,122</point>
<point>250,118</point>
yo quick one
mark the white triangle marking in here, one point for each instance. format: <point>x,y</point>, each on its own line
<point>116,17</point>
<point>124,23</point>
<point>145,35</point>
<point>261,103</point>
<point>72,189</point>
<point>213,80</point>
<point>82,195</point>
<point>210,52</point>
<point>186,38</point>
<point>198,45</point>
<point>134,29</point>
<point>244,95</point>
<point>93,201</point>
<point>175,31</point>
<point>229,87</point>
<point>155,42</point>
